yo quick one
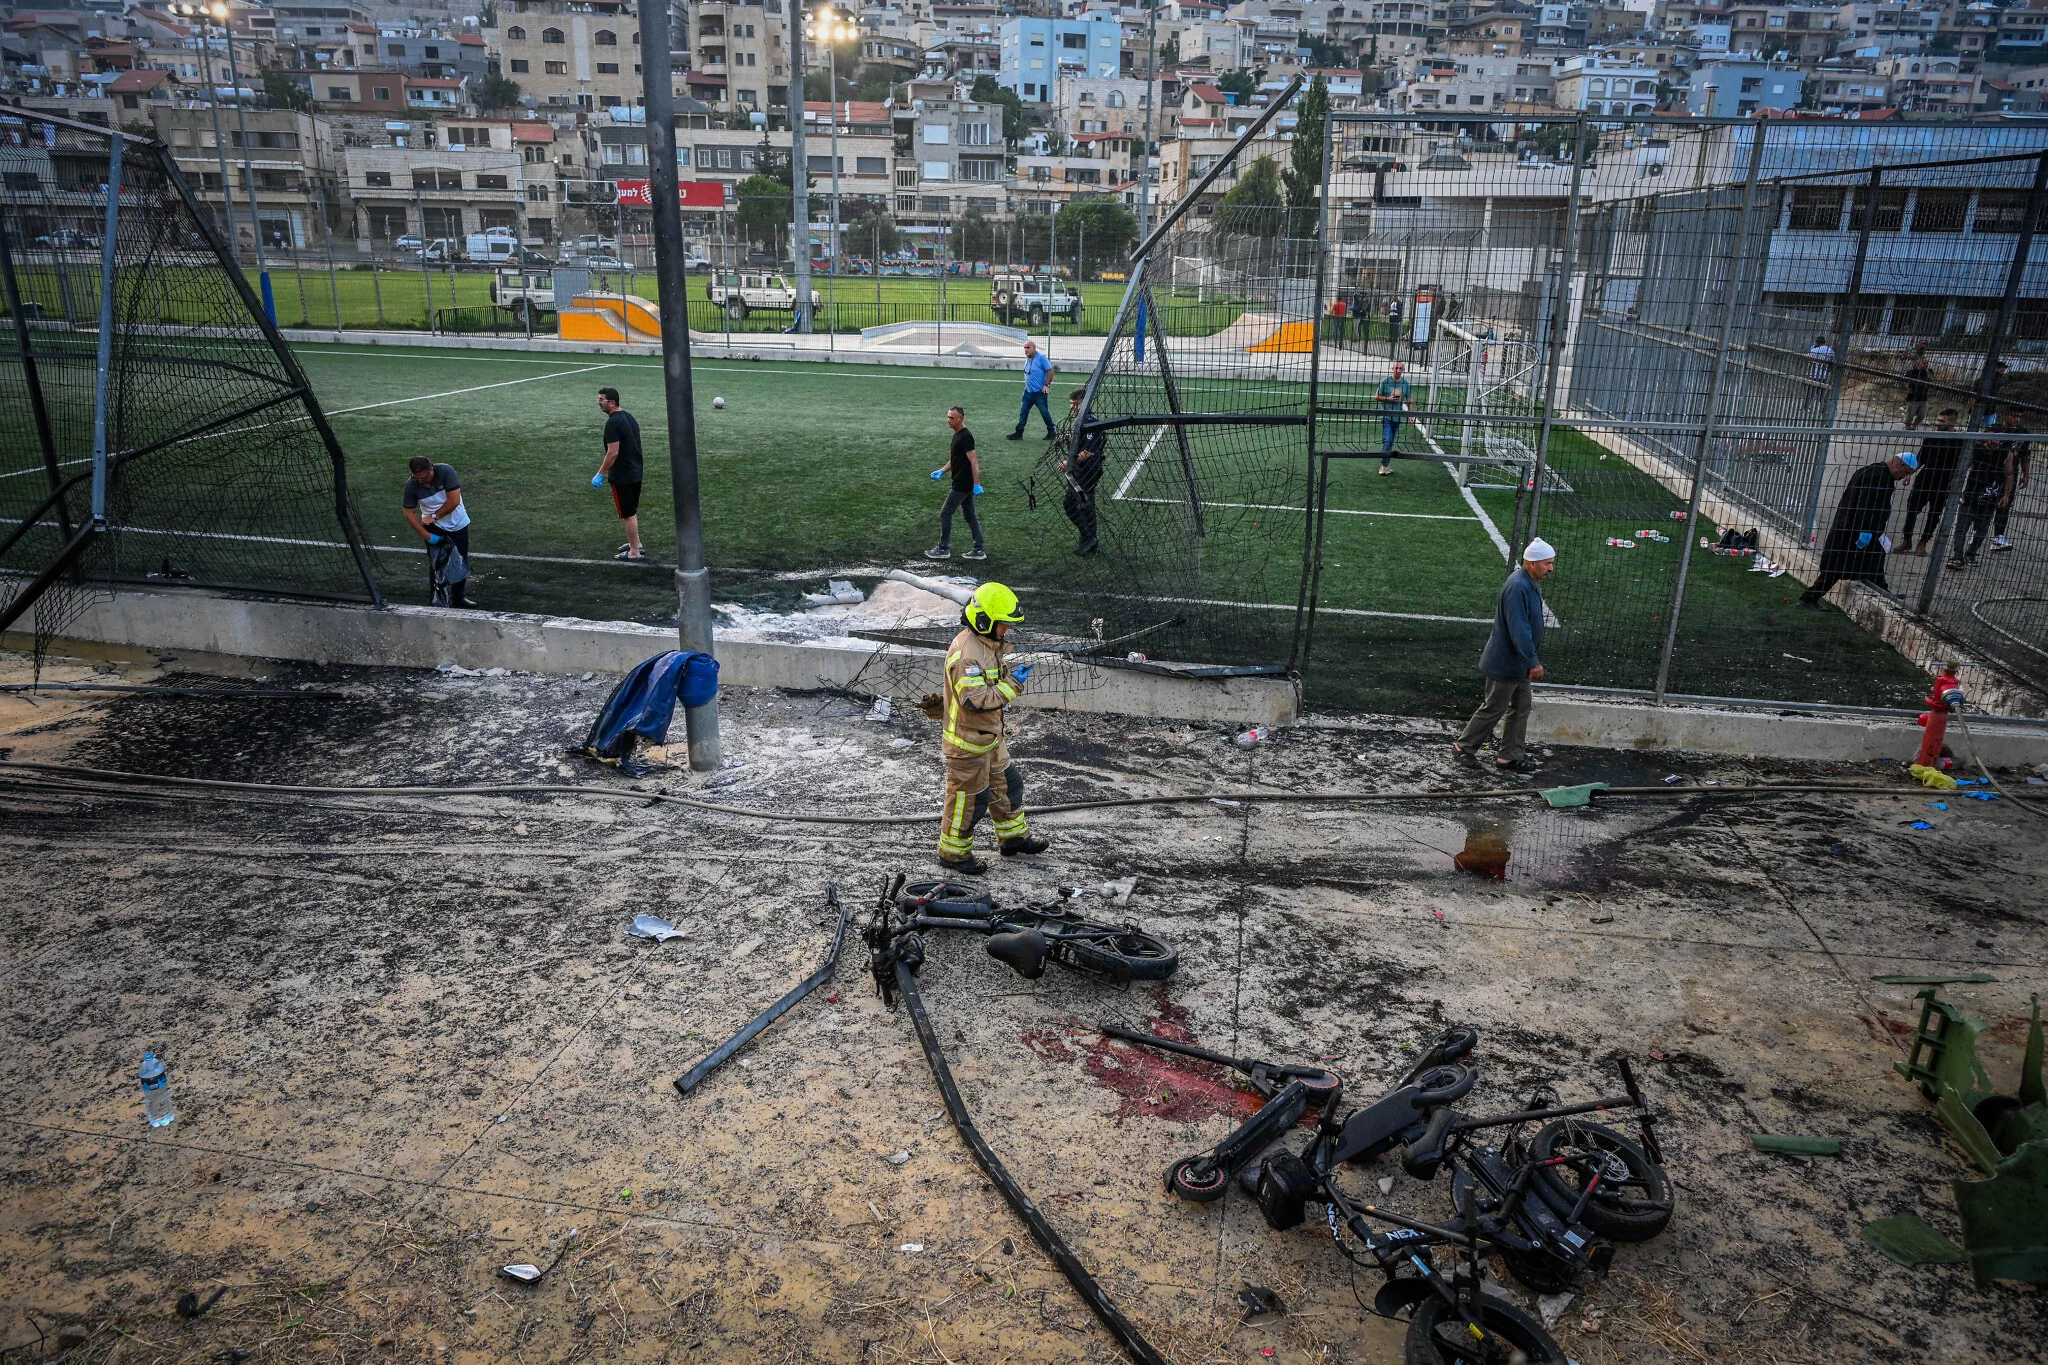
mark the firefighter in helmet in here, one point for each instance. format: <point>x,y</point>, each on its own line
<point>978,772</point>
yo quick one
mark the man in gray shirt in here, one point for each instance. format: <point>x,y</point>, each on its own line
<point>1511,661</point>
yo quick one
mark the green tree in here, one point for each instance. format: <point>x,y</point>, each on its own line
<point>1101,229</point>
<point>869,229</point>
<point>974,237</point>
<point>496,92</point>
<point>1252,207</point>
<point>286,93</point>
<point>764,207</point>
<point>876,79</point>
<point>1240,83</point>
<point>1322,52</point>
<point>1303,177</point>
<point>987,91</point>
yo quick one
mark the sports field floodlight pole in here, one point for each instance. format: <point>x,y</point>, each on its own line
<point>833,28</point>
<point>1987,383</point>
<point>1704,453</point>
<point>204,51</point>
<point>1151,84</point>
<point>799,168</point>
<point>220,12</point>
<point>693,580</point>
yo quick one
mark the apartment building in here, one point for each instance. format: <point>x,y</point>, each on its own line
<point>1100,104</point>
<point>1598,85</point>
<point>570,54</point>
<point>450,179</point>
<point>1217,45</point>
<point>1737,88</point>
<point>1186,159</point>
<point>363,89</point>
<point>740,55</point>
<point>293,157</point>
<point>1849,88</point>
<point>948,155</point>
<point>1037,52</point>
<point>1935,81</point>
<point>1439,86</point>
<point>1496,33</point>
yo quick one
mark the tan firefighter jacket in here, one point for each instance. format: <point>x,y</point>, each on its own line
<point>977,690</point>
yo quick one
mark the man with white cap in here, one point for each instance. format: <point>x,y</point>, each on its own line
<point>1856,543</point>
<point>1511,661</point>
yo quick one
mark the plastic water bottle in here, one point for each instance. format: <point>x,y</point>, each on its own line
<point>156,1092</point>
<point>1248,738</point>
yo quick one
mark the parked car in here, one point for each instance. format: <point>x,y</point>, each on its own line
<point>591,243</point>
<point>523,291</point>
<point>408,242</point>
<point>601,263</point>
<point>692,261</point>
<point>740,294</point>
<point>1034,298</point>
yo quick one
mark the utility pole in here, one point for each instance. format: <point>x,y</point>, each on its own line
<point>693,579</point>
<point>221,12</point>
<point>799,167</point>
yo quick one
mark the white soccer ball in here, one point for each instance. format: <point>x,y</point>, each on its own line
<point>718,402</point>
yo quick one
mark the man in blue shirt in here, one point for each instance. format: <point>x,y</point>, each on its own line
<point>1038,373</point>
<point>1393,395</point>
<point>1511,661</point>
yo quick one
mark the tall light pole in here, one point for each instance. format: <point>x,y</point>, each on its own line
<point>693,578</point>
<point>218,11</point>
<point>799,168</point>
<point>220,146</point>
<point>829,28</point>
<point>1151,99</point>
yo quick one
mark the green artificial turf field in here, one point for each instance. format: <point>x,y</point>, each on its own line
<point>815,468</point>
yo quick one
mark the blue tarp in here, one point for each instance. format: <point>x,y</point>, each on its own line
<point>645,701</point>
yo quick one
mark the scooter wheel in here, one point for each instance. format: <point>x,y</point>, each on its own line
<point>1198,1180</point>
<point>1321,1089</point>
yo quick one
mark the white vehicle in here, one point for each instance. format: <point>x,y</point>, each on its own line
<point>442,249</point>
<point>592,245</point>
<point>740,294</point>
<point>507,233</point>
<point>1033,298</point>
<point>524,291</point>
<point>483,246</point>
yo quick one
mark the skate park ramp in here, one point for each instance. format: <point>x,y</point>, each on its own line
<point>1265,334</point>
<point>952,338</point>
<point>611,317</point>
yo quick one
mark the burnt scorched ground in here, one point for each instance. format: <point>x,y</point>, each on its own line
<point>412,1043</point>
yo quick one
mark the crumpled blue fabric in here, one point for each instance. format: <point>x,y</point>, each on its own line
<point>645,700</point>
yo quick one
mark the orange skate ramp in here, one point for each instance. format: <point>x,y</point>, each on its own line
<point>1263,333</point>
<point>611,317</point>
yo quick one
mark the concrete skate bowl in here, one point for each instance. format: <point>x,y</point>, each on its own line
<point>951,338</point>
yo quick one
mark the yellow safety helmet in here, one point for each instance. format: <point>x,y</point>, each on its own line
<point>992,602</point>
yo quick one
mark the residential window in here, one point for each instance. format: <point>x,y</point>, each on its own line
<point>870,165</point>
<point>433,54</point>
<point>607,68</point>
<point>536,194</point>
<point>556,68</point>
<point>1940,210</point>
<point>749,97</point>
<point>383,92</point>
<point>339,92</point>
<point>1816,209</point>
<point>516,34</point>
<point>607,38</point>
<point>552,35</point>
<point>935,203</point>
<point>423,180</point>
<point>2000,211</point>
<point>491,182</point>
<point>394,49</point>
<point>1891,210</point>
<point>379,179</point>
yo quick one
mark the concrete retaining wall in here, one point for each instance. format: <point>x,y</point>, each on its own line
<point>174,621</point>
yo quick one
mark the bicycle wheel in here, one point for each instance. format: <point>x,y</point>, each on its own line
<point>1539,1274</point>
<point>1634,1201</point>
<point>1129,956</point>
<point>1437,1336</point>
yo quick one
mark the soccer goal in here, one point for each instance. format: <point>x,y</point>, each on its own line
<point>154,426</point>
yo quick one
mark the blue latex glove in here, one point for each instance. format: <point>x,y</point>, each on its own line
<point>597,480</point>
<point>1863,541</point>
<point>433,540</point>
<point>977,490</point>
<point>938,473</point>
<point>1021,674</point>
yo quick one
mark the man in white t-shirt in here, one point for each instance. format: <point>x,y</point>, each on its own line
<point>1822,370</point>
<point>434,506</point>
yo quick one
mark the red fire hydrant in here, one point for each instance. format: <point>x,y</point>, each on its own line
<point>1946,697</point>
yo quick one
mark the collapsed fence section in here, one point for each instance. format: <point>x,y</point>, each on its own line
<point>153,425</point>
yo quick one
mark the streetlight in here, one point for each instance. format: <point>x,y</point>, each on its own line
<point>220,146</point>
<point>828,28</point>
<point>218,12</point>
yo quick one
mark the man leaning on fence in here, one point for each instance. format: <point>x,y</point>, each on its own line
<point>1511,662</point>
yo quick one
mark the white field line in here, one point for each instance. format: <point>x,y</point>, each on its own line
<point>343,545</point>
<point>457,393</point>
<point>337,412</point>
<point>1333,511</point>
<point>1137,465</point>
<point>1500,542</point>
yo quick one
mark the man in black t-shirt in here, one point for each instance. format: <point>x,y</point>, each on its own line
<point>1083,472</point>
<point>622,468</point>
<point>964,462</point>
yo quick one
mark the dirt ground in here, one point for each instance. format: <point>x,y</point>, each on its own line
<point>411,1040</point>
